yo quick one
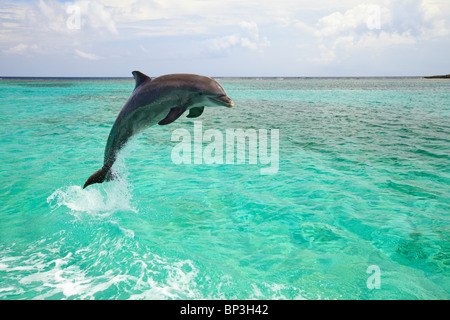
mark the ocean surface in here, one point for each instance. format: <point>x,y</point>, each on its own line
<point>357,208</point>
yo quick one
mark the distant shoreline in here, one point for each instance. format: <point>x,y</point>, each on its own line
<point>446,76</point>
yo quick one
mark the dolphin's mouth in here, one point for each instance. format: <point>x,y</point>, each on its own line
<point>223,100</point>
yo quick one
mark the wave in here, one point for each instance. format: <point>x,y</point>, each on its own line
<point>117,267</point>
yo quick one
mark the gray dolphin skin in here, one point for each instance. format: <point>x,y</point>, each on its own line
<point>161,101</point>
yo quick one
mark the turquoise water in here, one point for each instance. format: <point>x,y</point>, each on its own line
<point>363,180</point>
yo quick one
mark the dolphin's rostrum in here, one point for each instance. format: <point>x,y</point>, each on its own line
<point>158,101</point>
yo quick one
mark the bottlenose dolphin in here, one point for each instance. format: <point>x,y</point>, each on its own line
<point>158,101</point>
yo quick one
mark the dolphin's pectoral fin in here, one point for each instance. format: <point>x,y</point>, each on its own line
<point>173,115</point>
<point>195,112</point>
<point>140,78</point>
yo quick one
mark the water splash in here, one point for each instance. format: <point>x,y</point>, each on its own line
<point>100,199</point>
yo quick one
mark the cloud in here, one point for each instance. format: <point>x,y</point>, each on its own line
<point>18,49</point>
<point>96,16</point>
<point>247,38</point>
<point>49,28</point>
<point>251,38</point>
<point>22,49</point>
<point>385,39</point>
<point>363,16</point>
<point>222,44</point>
<point>128,32</point>
<point>345,47</point>
<point>435,17</point>
<point>85,55</point>
<point>342,34</point>
<point>62,27</point>
<point>48,21</point>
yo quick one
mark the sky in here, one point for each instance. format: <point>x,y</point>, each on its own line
<point>228,38</point>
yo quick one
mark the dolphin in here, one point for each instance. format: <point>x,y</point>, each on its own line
<point>161,101</point>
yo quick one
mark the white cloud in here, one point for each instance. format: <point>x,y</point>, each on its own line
<point>51,22</point>
<point>18,49</point>
<point>330,32</point>
<point>221,44</point>
<point>248,38</point>
<point>361,18</point>
<point>324,56</point>
<point>385,39</point>
<point>85,55</point>
<point>23,49</point>
<point>435,16</point>
<point>337,22</point>
<point>430,9</point>
<point>346,46</point>
<point>50,25</point>
<point>251,28</point>
<point>96,16</point>
<point>47,19</point>
<point>251,37</point>
<point>391,23</point>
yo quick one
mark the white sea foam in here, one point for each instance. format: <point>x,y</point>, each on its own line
<point>99,199</point>
<point>51,276</point>
<point>87,274</point>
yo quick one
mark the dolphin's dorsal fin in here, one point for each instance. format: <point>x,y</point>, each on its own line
<point>140,78</point>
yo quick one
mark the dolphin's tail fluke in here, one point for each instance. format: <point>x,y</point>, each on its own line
<point>98,177</point>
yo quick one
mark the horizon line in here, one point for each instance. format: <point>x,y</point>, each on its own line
<point>218,77</point>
